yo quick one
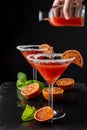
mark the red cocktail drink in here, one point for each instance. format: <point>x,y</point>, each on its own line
<point>28,52</point>
<point>51,71</point>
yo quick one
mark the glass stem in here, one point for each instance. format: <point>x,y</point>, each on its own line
<point>34,74</point>
<point>50,101</point>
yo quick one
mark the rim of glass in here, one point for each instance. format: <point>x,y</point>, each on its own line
<point>29,57</point>
<point>28,47</point>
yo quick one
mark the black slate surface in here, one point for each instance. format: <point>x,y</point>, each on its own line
<point>74,104</point>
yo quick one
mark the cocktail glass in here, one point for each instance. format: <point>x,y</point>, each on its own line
<point>51,67</point>
<point>30,49</point>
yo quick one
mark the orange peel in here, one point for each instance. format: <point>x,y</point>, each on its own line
<point>44,114</point>
<point>65,83</point>
<point>47,48</point>
<point>73,53</point>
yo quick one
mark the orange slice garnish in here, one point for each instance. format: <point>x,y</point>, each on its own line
<point>65,83</point>
<point>73,53</point>
<point>44,114</point>
<point>31,91</point>
<point>57,93</point>
<point>47,48</point>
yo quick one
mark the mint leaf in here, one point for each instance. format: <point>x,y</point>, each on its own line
<point>29,82</point>
<point>28,113</point>
<point>22,76</point>
<point>20,85</point>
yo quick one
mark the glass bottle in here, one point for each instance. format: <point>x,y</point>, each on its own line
<point>56,18</point>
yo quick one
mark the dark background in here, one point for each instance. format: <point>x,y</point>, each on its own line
<point>19,25</point>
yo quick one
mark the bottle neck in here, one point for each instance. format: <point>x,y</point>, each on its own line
<point>43,15</point>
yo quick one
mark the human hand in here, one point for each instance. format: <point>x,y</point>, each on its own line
<point>67,6</point>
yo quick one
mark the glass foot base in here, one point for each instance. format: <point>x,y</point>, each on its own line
<point>58,115</point>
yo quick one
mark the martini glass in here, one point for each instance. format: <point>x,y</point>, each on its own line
<point>51,67</point>
<point>30,49</point>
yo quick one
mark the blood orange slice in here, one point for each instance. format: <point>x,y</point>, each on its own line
<point>74,53</point>
<point>47,48</point>
<point>44,114</point>
<point>65,83</point>
<point>57,93</point>
<point>31,91</point>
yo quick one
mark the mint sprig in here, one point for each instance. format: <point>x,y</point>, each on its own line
<point>28,113</point>
<point>22,81</point>
<point>22,76</point>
